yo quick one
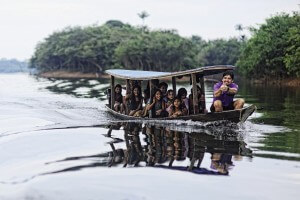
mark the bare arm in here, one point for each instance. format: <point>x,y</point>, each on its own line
<point>150,106</point>
<point>224,88</point>
<point>232,90</point>
<point>218,92</point>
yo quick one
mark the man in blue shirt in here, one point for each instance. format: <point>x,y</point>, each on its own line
<point>224,92</point>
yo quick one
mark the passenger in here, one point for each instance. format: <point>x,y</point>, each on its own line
<point>169,99</point>
<point>224,92</point>
<point>200,100</point>
<point>157,107</point>
<point>135,102</point>
<point>163,86</point>
<point>118,106</point>
<point>182,94</point>
<point>132,84</point>
<point>177,108</point>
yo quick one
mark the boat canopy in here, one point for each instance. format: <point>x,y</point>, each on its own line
<point>148,75</point>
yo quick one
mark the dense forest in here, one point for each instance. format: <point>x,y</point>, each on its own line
<point>119,45</point>
<point>272,50</point>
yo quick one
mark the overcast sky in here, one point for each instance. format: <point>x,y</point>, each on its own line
<point>26,22</point>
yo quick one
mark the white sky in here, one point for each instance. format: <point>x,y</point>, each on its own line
<point>26,22</point>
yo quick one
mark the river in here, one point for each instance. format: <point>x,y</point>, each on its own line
<point>58,142</point>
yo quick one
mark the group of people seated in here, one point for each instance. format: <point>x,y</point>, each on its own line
<point>164,103</point>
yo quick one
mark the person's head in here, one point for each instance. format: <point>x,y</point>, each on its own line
<point>136,90</point>
<point>157,94</point>
<point>228,77</point>
<point>118,89</point>
<point>163,86</point>
<point>170,94</point>
<point>177,102</point>
<point>133,83</point>
<point>182,93</point>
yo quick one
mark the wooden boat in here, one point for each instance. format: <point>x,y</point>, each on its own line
<point>196,75</point>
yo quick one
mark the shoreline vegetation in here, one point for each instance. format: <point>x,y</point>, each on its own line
<point>290,82</point>
<point>270,55</point>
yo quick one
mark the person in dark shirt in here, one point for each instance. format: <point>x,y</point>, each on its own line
<point>135,102</point>
<point>158,105</point>
<point>118,106</point>
<point>182,94</point>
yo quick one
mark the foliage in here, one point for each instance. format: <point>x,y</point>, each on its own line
<point>119,45</point>
<point>273,50</point>
<point>157,50</point>
<point>220,52</point>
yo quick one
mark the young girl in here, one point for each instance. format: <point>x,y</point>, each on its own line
<point>200,99</point>
<point>182,94</point>
<point>169,99</point>
<point>177,108</point>
<point>135,101</point>
<point>118,106</point>
<point>158,106</point>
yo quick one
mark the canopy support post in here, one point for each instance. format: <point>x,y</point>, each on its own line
<point>151,86</point>
<point>201,78</point>
<point>174,85</point>
<point>195,94</point>
<point>112,89</point>
<point>127,87</point>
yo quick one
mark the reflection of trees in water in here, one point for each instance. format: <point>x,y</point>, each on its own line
<point>71,86</point>
<point>280,110</point>
<point>165,148</point>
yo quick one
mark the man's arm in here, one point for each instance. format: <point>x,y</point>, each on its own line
<point>232,90</point>
<point>219,91</point>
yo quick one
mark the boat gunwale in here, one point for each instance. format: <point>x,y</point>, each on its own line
<point>188,117</point>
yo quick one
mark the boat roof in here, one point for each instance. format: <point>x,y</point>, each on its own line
<point>148,75</point>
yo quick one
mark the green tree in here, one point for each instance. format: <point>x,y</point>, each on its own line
<point>220,52</point>
<point>273,50</point>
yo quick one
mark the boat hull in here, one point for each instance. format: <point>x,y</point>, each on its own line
<point>239,115</point>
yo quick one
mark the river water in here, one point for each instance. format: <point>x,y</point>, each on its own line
<point>57,142</point>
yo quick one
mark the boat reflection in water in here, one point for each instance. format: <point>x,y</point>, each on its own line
<point>146,145</point>
<point>177,150</point>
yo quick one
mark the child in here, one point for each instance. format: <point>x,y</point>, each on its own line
<point>169,99</point>
<point>163,87</point>
<point>182,94</point>
<point>118,106</point>
<point>135,101</point>
<point>200,99</point>
<point>157,107</point>
<point>177,108</point>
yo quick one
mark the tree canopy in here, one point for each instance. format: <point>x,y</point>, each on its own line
<point>119,45</point>
<point>274,48</point>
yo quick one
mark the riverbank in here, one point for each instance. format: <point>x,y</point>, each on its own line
<point>291,82</point>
